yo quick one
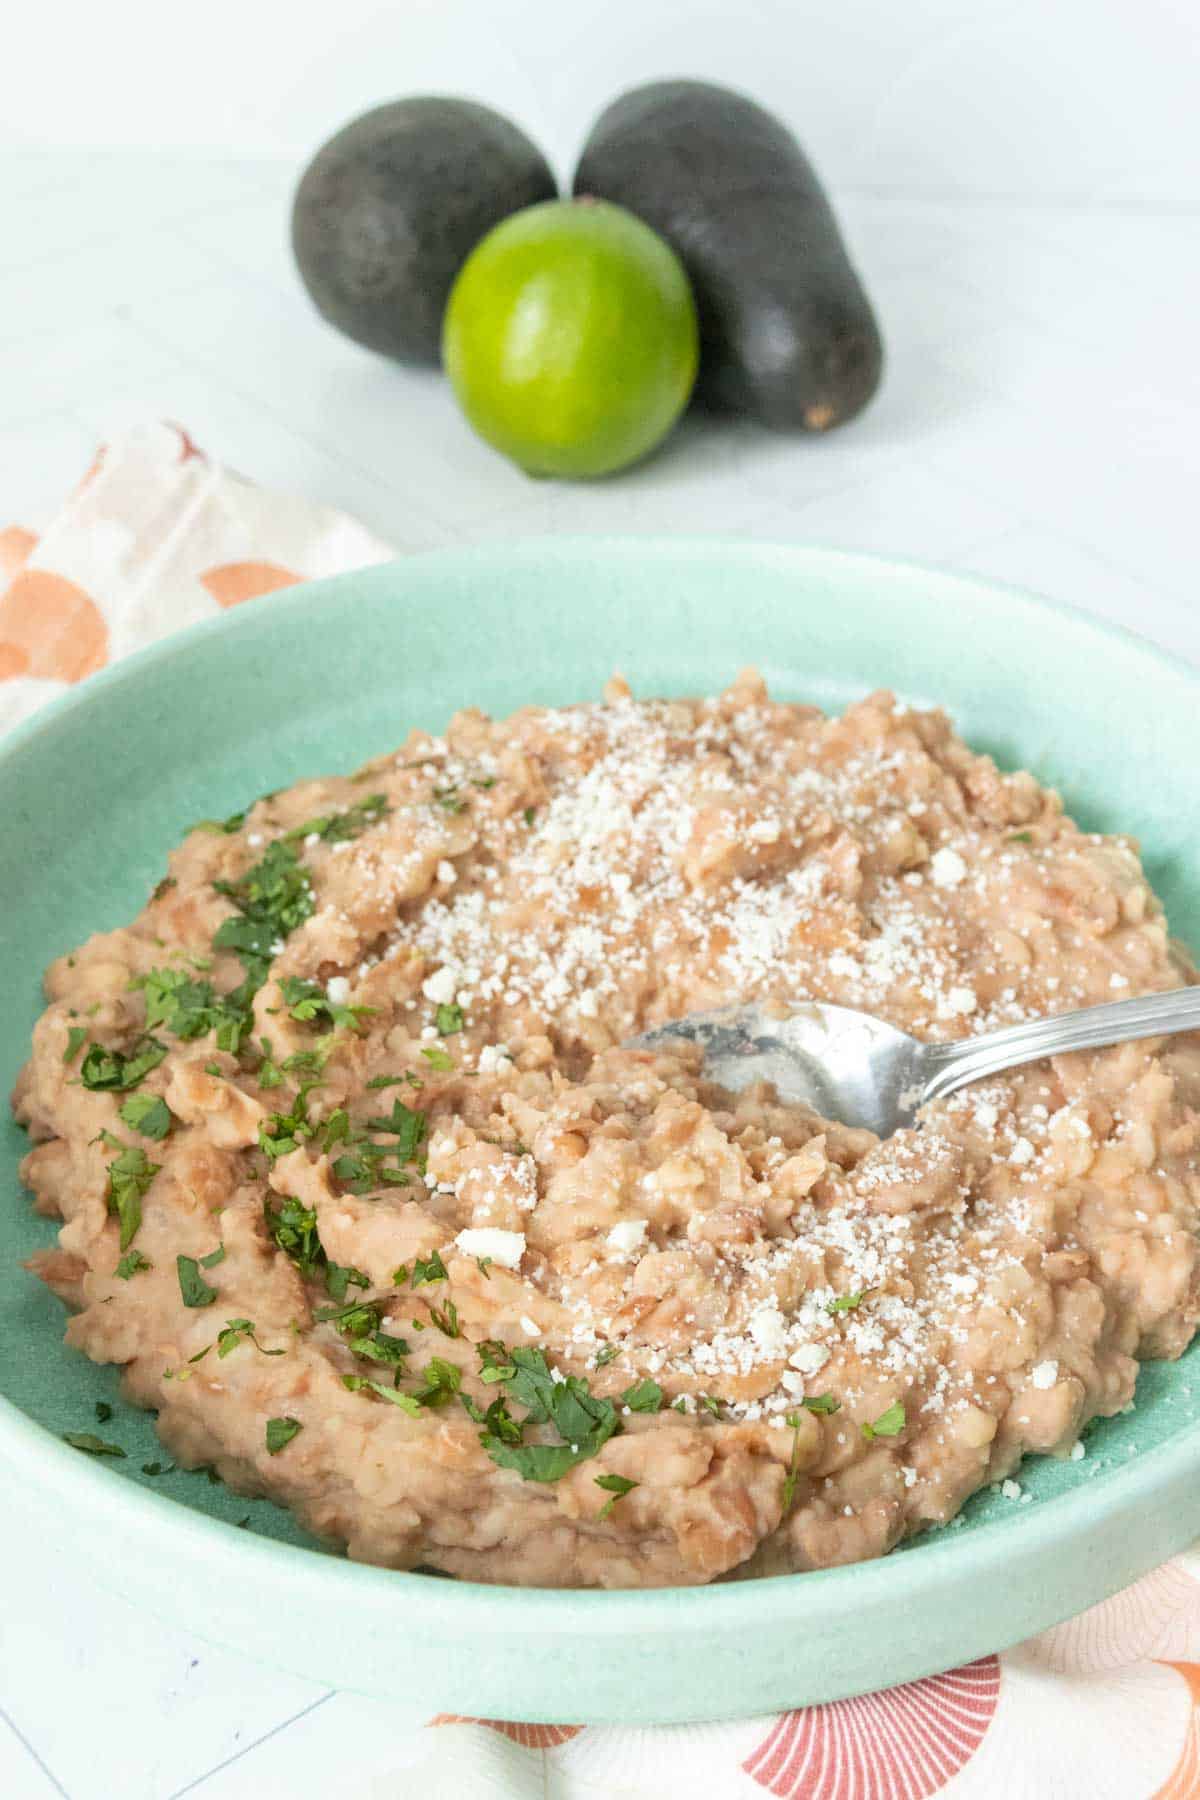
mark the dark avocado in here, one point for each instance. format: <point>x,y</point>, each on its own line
<point>388,211</point>
<point>787,334</point>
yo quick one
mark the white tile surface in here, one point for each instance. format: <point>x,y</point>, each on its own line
<point>1037,425</point>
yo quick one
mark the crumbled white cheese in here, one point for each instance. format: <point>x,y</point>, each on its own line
<point>766,1327</point>
<point>1044,1374</point>
<point>985,1114</point>
<point>589,1006</point>
<point>627,1234</point>
<point>1022,1152</point>
<point>441,986</point>
<point>958,1002</point>
<point>337,990</point>
<point>793,1383</point>
<point>447,874</point>
<point>764,831</point>
<point>504,1247</point>
<point>1011,1490</point>
<point>810,1359</point>
<point>947,868</point>
<point>529,1326</point>
<point>494,1059</point>
<point>1078,1451</point>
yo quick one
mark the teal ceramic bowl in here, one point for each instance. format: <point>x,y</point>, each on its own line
<point>95,790</point>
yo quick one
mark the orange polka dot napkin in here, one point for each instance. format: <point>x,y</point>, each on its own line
<point>157,535</point>
<point>1106,1706</point>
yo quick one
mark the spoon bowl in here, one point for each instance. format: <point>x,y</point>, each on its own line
<point>858,1069</point>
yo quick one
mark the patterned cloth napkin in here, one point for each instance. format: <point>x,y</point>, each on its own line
<point>1104,1707</point>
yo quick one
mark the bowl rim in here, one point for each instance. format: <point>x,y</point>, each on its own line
<point>488,1609</point>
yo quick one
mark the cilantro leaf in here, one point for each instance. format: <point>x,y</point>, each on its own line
<point>228,826</point>
<point>293,1227</point>
<point>340,1276</point>
<point>280,1433</point>
<point>132,1263</point>
<point>494,1362</point>
<point>616,1485</point>
<point>91,1444</point>
<point>789,1484</point>
<point>307,1000</point>
<point>339,828</point>
<point>193,1288</point>
<point>643,1397</point>
<point>446,1319</point>
<point>381,1347</point>
<point>847,1302</point>
<point>607,1354</point>
<point>440,1381</point>
<point>822,1403</point>
<point>106,1071</point>
<point>437,1058</point>
<point>407,1125</point>
<point>76,1039</point>
<point>406,1402</point>
<point>148,1114</point>
<point>238,1331</point>
<point>889,1424</point>
<point>387,1081</point>
<point>353,1320</point>
<point>428,1270</point>
<point>129,1178</point>
<point>449,1018</point>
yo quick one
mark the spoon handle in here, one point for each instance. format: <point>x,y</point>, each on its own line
<point>951,1066</point>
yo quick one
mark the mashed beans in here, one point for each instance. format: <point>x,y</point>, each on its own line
<point>360,1190</point>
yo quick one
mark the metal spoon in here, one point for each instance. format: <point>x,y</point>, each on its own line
<point>853,1067</point>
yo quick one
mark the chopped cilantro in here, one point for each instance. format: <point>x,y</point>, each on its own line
<point>340,1276</point>
<point>337,1128</point>
<point>148,1114</point>
<point>440,1381</point>
<point>213,1258</point>
<point>109,1071</point>
<point>407,1402</point>
<point>104,1412</point>
<point>268,1074</point>
<point>494,1360</point>
<point>484,1263</point>
<point>294,1229</point>
<point>387,1081</point>
<point>129,1177</point>
<point>132,1263</point>
<point>191,1008</point>
<point>530,814</point>
<point>238,1331</point>
<point>76,1039</point>
<point>446,1320</point>
<point>407,1125</point>
<point>281,1133</point>
<point>606,1355</point>
<point>616,1485</point>
<point>889,1424</point>
<point>91,1444</point>
<point>643,1397</point>
<point>709,1404</point>
<point>280,1433</point>
<point>193,1288</point>
<point>272,898</point>
<point>449,799</point>
<point>449,1018</point>
<point>1020,837</point>
<point>437,1058</point>
<point>339,828</point>
<point>354,1320</point>
<point>789,1485</point>
<point>847,1302</point>
<point>822,1403</point>
<point>583,1422</point>
<point>428,1270</point>
<point>307,1000</point>
<point>381,1347</point>
<point>400,1275</point>
<point>228,826</point>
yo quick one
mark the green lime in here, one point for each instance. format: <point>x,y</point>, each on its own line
<point>570,338</point>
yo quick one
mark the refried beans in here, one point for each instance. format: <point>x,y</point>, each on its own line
<point>362,1193</point>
